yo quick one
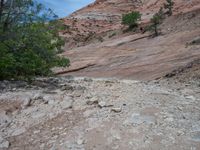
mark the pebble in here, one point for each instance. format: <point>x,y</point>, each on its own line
<point>92,101</point>
<point>4,143</point>
<point>4,119</point>
<point>37,96</point>
<point>116,109</point>
<point>196,136</point>
<point>66,103</point>
<point>36,132</point>
<point>26,103</point>
<point>80,141</point>
<point>190,97</point>
<point>102,104</point>
<point>170,119</point>
<point>137,119</point>
<point>18,131</point>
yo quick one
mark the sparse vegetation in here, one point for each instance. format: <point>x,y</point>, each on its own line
<point>161,13</point>
<point>169,6</point>
<point>131,19</point>
<point>155,22</point>
<point>29,42</point>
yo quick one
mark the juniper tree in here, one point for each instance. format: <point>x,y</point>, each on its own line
<point>155,22</point>
<point>131,19</point>
<point>29,39</point>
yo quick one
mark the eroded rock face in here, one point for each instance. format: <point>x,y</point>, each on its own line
<point>100,114</point>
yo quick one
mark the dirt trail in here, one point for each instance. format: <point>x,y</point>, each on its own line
<point>95,114</point>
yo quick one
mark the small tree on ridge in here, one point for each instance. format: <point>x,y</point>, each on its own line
<point>131,19</point>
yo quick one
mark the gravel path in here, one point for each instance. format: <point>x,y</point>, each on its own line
<point>99,114</point>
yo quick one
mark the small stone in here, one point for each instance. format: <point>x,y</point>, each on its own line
<point>80,141</point>
<point>179,133</point>
<point>26,103</point>
<point>102,104</point>
<point>87,79</point>
<point>45,99</point>
<point>38,115</point>
<point>37,96</point>
<point>48,99</point>
<point>137,119</point>
<point>36,132</point>
<point>170,119</point>
<point>55,137</point>
<point>80,88</point>
<point>116,109</point>
<point>14,89</point>
<point>4,119</point>
<point>190,97</point>
<point>196,136</point>
<point>92,101</point>
<point>67,87</point>
<point>78,94</point>
<point>4,143</point>
<point>18,132</point>
<point>66,103</point>
<point>52,102</point>
<point>42,146</point>
<point>179,108</point>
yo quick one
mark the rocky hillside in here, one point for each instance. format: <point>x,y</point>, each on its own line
<point>97,46</point>
<point>149,98</point>
<point>94,22</point>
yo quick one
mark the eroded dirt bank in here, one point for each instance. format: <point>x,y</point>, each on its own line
<point>94,114</point>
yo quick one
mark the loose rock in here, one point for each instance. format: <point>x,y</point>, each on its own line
<point>4,143</point>
<point>80,141</point>
<point>93,100</point>
<point>116,109</point>
<point>102,104</point>
<point>26,103</point>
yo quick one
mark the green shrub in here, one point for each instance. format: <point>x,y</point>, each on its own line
<point>131,19</point>
<point>29,41</point>
<point>155,22</point>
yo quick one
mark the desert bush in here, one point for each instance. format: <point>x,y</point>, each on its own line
<point>29,40</point>
<point>155,22</point>
<point>131,19</point>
